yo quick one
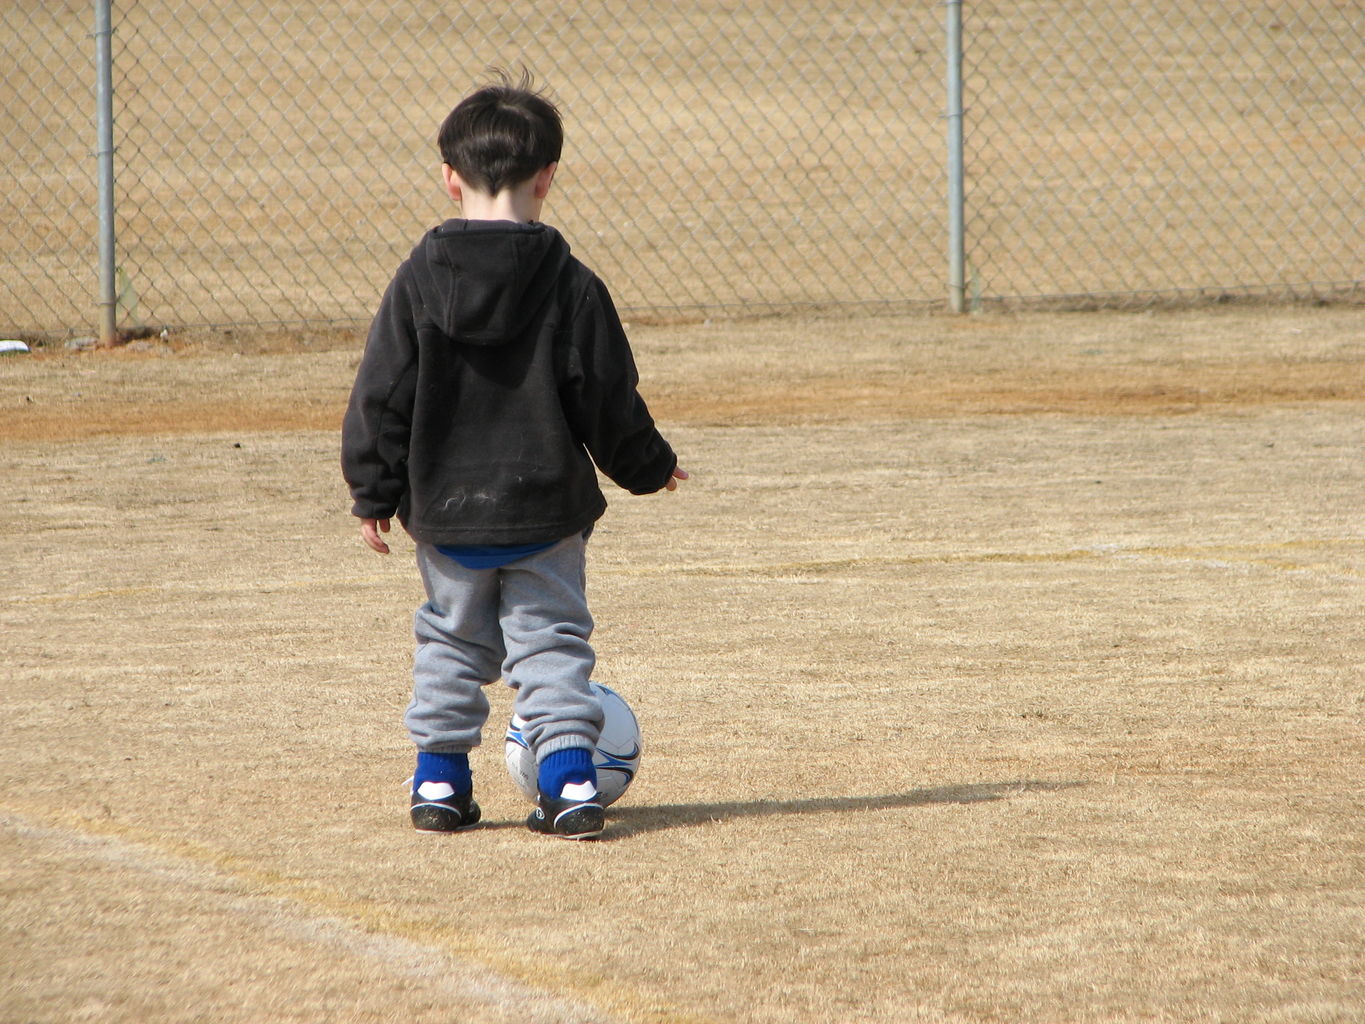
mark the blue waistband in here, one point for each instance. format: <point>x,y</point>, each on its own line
<point>491,556</point>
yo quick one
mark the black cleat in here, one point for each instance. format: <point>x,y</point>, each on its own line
<point>576,814</point>
<point>437,808</point>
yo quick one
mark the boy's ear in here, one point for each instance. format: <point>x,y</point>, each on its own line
<point>454,186</point>
<point>543,180</point>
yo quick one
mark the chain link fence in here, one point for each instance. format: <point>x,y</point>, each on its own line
<point>48,258</point>
<point>274,162</point>
<point>1138,150</point>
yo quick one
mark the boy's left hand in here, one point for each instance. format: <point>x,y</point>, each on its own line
<point>678,474</point>
<point>370,530</point>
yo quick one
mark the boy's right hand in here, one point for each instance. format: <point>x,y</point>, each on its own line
<point>678,474</point>
<point>370,530</point>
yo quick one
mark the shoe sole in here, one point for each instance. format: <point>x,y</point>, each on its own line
<point>438,818</point>
<point>442,831</point>
<point>575,823</point>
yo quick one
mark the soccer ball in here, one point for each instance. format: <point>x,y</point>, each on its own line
<point>617,757</point>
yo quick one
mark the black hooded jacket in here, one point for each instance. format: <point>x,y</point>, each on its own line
<point>495,374</point>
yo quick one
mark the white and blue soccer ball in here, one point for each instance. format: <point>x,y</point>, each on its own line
<point>617,757</point>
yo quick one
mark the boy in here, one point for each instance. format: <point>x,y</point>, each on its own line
<point>495,374</point>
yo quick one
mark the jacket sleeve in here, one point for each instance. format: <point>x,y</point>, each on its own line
<point>377,426</point>
<point>602,403</point>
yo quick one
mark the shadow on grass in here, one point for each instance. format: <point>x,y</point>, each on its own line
<point>628,821</point>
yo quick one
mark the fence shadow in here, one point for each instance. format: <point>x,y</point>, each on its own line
<point>632,820</point>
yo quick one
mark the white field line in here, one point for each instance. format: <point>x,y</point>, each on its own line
<point>291,916</point>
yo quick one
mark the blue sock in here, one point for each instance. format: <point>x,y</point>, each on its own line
<point>563,767</point>
<point>451,768</point>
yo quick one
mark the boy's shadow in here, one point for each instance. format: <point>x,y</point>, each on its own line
<point>623,822</point>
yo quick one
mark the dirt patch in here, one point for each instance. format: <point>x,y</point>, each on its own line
<point>779,371</point>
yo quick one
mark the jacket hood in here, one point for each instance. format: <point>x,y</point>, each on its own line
<point>493,276</point>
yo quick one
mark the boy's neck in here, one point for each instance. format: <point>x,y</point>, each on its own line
<point>514,204</point>
<point>520,203</point>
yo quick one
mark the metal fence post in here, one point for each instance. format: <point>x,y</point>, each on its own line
<point>104,120</point>
<point>957,249</point>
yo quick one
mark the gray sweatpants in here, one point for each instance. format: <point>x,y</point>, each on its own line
<point>527,622</point>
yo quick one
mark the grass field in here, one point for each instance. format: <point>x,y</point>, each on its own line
<point>992,669</point>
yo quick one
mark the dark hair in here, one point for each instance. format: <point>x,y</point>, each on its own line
<point>502,134</point>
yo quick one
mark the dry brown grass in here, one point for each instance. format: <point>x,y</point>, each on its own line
<point>996,669</point>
